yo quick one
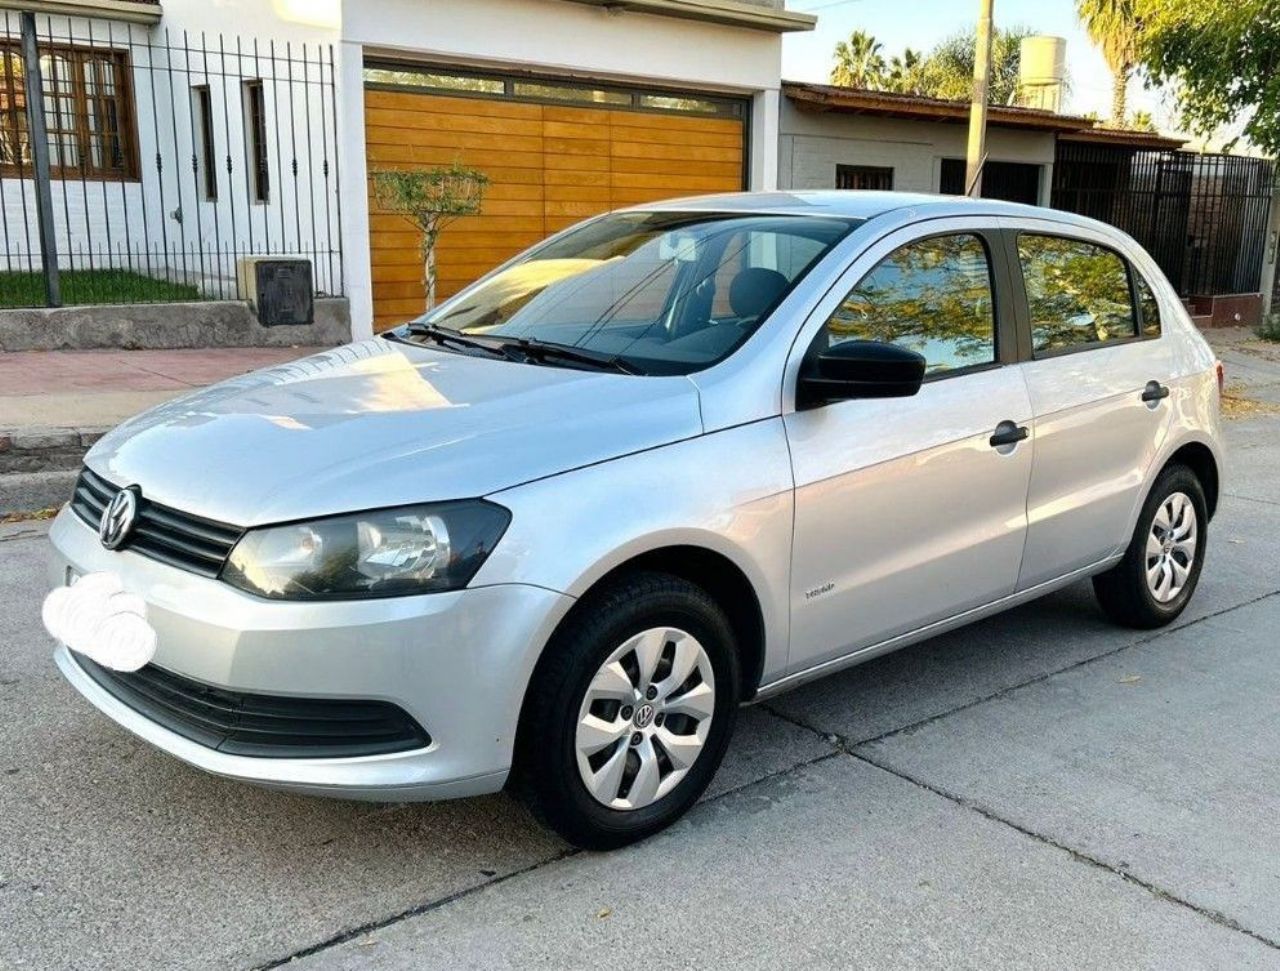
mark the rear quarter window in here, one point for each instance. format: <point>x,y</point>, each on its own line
<point>1149,306</point>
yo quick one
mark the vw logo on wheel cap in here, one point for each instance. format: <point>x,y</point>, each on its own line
<point>117,519</point>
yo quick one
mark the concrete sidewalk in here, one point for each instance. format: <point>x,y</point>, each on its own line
<point>55,404</point>
<point>93,389</point>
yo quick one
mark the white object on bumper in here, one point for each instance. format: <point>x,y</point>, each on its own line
<point>95,617</point>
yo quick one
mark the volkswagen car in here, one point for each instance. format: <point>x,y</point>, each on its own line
<point>678,458</point>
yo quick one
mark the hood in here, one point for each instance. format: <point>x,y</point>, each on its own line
<point>383,423</point>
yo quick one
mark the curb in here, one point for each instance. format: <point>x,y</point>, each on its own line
<point>37,449</point>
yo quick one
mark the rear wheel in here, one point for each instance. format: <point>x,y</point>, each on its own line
<point>628,716</point>
<point>1153,583</point>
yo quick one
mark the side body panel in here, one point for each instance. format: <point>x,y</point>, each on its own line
<point>729,492</point>
<point>905,514</point>
<point>1096,441</point>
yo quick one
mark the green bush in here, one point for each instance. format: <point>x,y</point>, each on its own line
<point>1269,329</point>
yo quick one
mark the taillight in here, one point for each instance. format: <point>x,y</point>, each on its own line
<point>1222,377</point>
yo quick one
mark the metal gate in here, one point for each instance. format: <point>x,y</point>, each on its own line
<point>149,163</point>
<point>1202,217</point>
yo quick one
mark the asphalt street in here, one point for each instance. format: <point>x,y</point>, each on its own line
<point>1038,790</point>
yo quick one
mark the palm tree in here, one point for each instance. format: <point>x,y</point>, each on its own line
<point>1113,26</point>
<point>906,73</point>
<point>859,63</point>
<point>1142,121</point>
<point>948,70</point>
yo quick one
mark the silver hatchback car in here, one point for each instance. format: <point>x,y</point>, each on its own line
<point>674,459</point>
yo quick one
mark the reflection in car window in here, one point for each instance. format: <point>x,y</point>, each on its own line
<point>932,296</point>
<point>1150,307</point>
<point>1077,293</point>
<point>664,292</point>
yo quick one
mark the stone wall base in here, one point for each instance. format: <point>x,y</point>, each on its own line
<point>155,326</point>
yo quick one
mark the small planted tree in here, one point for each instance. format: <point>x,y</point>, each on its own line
<point>431,199</point>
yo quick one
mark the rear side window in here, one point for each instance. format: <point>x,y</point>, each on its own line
<point>1149,305</point>
<point>1077,293</point>
<point>932,296</point>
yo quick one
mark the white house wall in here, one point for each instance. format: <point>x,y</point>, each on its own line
<point>812,144</point>
<point>162,225</point>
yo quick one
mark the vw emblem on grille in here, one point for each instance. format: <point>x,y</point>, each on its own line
<point>117,519</point>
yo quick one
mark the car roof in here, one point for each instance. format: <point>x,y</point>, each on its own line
<point>859,204</point>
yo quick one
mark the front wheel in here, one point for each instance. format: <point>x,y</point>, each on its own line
<point>1151,586</point>
<point>628,716</point>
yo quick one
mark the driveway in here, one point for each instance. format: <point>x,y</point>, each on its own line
<point>1037,790</point>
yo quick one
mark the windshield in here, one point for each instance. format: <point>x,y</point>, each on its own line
<point>662,292</point>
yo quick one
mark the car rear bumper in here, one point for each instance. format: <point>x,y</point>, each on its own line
<point>457,663</point>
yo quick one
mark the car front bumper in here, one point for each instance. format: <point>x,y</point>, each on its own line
<point>457,662</point>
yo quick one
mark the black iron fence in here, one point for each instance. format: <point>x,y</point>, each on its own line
<point>1202,217</point>
<point>160,162</point>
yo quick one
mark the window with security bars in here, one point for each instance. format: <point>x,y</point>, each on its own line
<point>88,105</point>
<point>864,177</point>
<point>255,111</point>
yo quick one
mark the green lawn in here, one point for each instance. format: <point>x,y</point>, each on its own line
<point>93,286</point>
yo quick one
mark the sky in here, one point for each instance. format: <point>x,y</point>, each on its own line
<point>920,24</point>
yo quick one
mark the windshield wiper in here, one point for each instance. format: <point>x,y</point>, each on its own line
<point>524,349</point>
<point>546,352</point>
<point>443,335</point>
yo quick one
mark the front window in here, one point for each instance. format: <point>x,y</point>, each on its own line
<point>932,296</point>
<point>663,292</point>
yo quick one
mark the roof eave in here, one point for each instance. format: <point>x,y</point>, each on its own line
<point>1125,139</point>
<point>131,11</point>
<point>926,109</point>
<point>732,13</point>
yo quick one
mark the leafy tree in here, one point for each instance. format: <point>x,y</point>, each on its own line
<point>1223,59</point>
<point>1114,28</point>
<point>906,74</point>
<point>430,199</point>
<point>948,70</point>
<point>1142,121</point>
<point>859,62</point>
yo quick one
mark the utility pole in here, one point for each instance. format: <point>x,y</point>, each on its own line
<point>977,154</point>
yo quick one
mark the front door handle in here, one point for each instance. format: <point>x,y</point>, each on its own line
<point>1008,433</point>
<point>1154,391</point>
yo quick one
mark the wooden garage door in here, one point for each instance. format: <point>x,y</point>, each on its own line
<point>549,166</point>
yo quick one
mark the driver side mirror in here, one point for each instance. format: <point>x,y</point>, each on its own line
<point>860,369</point>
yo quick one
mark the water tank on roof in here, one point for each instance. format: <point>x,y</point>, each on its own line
<point>1042,70</point>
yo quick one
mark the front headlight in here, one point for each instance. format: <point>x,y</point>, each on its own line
<point>385,553</point>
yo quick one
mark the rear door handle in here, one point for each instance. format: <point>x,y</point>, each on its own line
<point>1008,433</point>
<point>1154,391</point>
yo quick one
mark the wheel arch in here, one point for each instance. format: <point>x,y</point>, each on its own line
<point>1198,457</point>
<point>713,570</point>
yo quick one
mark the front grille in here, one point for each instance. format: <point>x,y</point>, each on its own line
<point>261,725</point>
<point>180,539</point>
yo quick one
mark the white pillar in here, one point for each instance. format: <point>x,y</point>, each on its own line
<point>353,184</point>
<point>1271,258</point>
<point>1046,184</point>
<point>764,140</point>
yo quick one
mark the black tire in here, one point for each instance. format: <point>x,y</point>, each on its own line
<point>545,774</point>
<point>1123,591</point>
